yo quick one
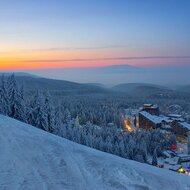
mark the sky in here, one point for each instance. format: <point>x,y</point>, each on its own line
<point>45,34</point>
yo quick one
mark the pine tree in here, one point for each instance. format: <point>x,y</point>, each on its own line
<point>57,121</point>
<point>15,100</point>
<point>188,143</point>
<point>130,148</point>
<point>50,112</point>
<point>38,116</point>
<point>41,119</point>
<point>67,116</point>
<point>121,148</point>
<point>154,158</point>
<point>4,101</point>
<point>109,144</point>
<point>77,120</point>
<point>143,148</point>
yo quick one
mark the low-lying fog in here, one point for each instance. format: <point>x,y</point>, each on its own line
<point>113,75</point>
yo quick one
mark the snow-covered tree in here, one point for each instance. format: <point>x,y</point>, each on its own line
<point>83,121</point>
<point>37,115</point>
<point>58,125</point>
<point>50,112</point>
<point>4,99</point>
<point>188,143</point>
<point>67,116</point>
<point>109,144</point>
<point>15,100</point>
<point>154,158</point>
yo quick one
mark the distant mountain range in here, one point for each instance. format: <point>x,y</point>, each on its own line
<point>19,74</point>
<point>145,90</point>
<point>66,87</point>
<point>33,82</point>
<point>132,87</point>
<point>118,69</point>
<point>171,75</point>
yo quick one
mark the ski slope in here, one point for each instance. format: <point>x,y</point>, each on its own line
<point>33,159</point>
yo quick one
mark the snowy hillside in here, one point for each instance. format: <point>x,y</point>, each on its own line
<point>33,159</point>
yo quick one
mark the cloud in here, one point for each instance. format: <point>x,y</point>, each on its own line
<point>70,49</point>
<point>81,48</point>
<point>107,59</point>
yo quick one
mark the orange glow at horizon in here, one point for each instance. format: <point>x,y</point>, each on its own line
<point>29,60</point>
<point>33,60</point>
<point>12,64</point>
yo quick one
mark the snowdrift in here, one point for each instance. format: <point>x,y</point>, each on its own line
<point>33,159</point>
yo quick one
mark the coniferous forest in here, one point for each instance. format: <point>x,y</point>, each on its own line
<point>98,125</point>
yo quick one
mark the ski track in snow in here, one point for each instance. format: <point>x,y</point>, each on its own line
<point>35,160</point>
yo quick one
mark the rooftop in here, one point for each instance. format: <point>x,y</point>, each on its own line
<point>170,119</point>
<point>174,115</point>
<point>185,125</point>
<point>150,106</point>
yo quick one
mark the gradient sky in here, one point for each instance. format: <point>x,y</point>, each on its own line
<point>37,34</point>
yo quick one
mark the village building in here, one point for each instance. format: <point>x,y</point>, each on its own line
<point>148,121</point>
<point>149,117</point>
<point>184,160</point>
<point>152,109</point>
<point>173,161</point>
<point>180,128</point>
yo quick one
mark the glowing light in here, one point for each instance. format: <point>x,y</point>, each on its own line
<point>127,126</point>
<point>181,170</point>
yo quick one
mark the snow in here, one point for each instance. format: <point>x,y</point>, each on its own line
<point>166,119</point>
<point>33,159</point>
<point>175,115</point>
<point>148,105</point>
<point>172,161</point>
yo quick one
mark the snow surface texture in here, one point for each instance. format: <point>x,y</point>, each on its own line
<point>33,159</point>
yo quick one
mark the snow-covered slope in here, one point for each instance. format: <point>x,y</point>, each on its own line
<point>33,159</point>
